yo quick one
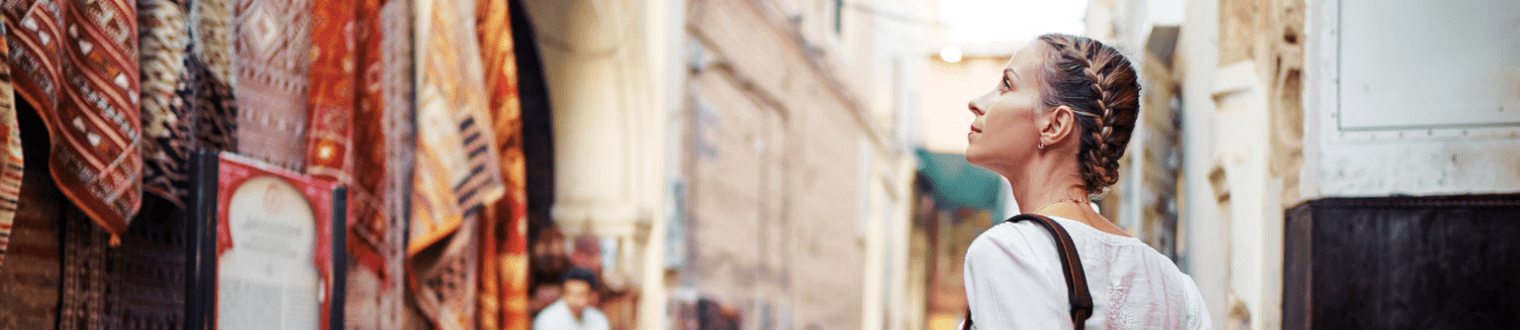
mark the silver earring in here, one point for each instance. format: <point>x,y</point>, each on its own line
<point>1041,145</point>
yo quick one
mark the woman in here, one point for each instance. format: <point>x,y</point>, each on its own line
<point>1055,127</point>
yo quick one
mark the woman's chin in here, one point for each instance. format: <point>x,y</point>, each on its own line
<point>991,161</point>
<point>975,157</point>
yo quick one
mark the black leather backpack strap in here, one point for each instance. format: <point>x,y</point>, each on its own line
<point>1071,266</point>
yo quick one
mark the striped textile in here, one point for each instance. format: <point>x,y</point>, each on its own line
<point>456,163</point>
<point>382,168</point>
<point>136,284</point>
<point>10,150</point>
<point>400,116</point>
<point>370,228</point>
<point>76,62</point>
<point>504,258</point>
<point>380,122</point>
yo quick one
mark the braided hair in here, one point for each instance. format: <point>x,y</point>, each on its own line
<point>1100,86</point>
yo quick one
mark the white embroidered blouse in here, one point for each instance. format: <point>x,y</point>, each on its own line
<point>1014,281</point>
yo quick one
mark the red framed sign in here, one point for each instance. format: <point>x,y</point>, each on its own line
<point>278,258</point>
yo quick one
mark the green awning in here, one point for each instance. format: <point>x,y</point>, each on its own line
<point>955,183</point>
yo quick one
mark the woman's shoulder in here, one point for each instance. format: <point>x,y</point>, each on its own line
<point>1030,236</point>
<point>1113,263</point>
<point>1019,240</point>
<point>1030,245</point>
<point>1128,261</point>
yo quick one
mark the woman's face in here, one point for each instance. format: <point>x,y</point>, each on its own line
<point>1004,134</point>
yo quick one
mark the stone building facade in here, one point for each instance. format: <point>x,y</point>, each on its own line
<point>1286,108</point>
<point>747,160</point>
<point>795,173</point>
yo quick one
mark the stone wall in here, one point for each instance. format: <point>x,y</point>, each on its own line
<point>774,169</point>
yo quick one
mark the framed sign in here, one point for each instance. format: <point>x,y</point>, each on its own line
<point>271,255</point>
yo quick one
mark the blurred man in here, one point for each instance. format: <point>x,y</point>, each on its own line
<point>573,310</point>
<point>587,253</point>
<point>549,265</point>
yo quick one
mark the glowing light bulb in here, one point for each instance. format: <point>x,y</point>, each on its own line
<point>950,54</point>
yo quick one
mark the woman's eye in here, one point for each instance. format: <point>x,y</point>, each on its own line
<point>1007,84</point>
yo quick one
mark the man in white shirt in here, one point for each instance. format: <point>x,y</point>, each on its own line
<point>573,310</point>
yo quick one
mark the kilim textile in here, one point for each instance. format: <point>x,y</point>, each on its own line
<point>84,276</point>
<point>208,90</point>
<point>382,173</point>
<point>371,224</point>
<point>273,55</point>
<point>136,284</point>
<point>330,124</point>
<point>443,280</point>
<point>456,163</point>
<point>30,301</point>
<point>162,44</point>
<point>214,37</point>
<point>504,253</point>
<point>212,110</point>
<point>185,104</point>
<point>329,152</point>
<point>10,151</point>
<point>76,63</point>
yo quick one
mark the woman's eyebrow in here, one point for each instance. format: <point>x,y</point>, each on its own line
<point>1010,71</point>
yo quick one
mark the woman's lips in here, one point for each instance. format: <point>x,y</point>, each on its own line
<point>975,130</point>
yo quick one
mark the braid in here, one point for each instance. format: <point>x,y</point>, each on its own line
<point>1100,85</point>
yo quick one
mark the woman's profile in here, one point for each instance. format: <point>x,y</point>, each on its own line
<point>1055,127</point>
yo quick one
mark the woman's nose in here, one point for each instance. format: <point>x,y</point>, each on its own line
<point>971,105</point>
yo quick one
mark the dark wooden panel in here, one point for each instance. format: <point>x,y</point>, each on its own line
<point>1450,262</point>
<point>1297,262</point>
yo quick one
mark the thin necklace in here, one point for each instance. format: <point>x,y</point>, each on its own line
<point>1070,200</point>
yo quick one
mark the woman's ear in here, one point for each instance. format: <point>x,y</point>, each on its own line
<point>1056,125</point>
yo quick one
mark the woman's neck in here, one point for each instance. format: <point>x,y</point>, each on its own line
<point>1053,193</point>
<point>1044,185</point>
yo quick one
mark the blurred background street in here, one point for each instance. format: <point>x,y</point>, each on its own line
<point>741,164</point>
<point>799,163</point>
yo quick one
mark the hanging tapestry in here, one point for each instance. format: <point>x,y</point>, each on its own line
<point>504,259</point>
<point>382,167</point>
<point>214,37</point>
<point>184,105</point>
<point>443,280</point>
<point>329,151</point>
<point>207,91</point>
<point>137,283</point>
<point>456,164</point>
<point>10,149</point>
<point>273,47</point>
<point>76,63</point>
<point>212,109</point>
<point>33,250</point>
<point>162,40</point>
<point>210,66</point>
